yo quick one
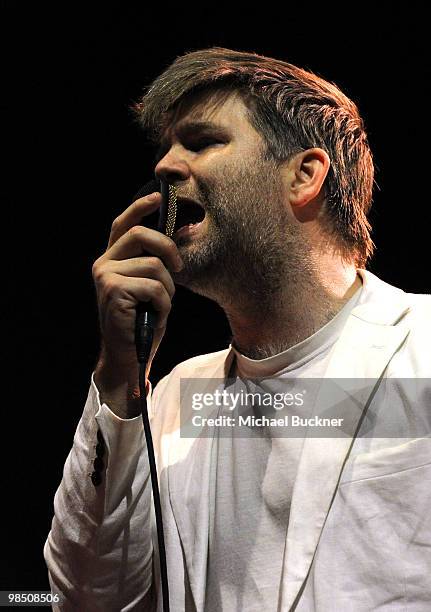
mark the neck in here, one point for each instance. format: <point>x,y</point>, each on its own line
<point>293,314</point>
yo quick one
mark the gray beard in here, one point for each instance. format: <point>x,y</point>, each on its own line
<point>249,252</point>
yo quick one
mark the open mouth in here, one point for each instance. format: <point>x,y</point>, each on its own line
<point>189,213</point>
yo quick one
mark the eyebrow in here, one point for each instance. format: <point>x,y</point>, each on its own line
<point>186,128</point>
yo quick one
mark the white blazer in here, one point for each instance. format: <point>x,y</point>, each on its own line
<point>359,534</point>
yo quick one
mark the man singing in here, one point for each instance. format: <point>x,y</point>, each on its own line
<point>274,179</point>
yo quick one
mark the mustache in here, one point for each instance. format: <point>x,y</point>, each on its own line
<point>202,194</point>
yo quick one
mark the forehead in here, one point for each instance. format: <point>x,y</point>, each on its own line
<point>208,104</point>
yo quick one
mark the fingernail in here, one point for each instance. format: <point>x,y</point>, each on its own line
<point>152,197</point>
<point>178,264</point>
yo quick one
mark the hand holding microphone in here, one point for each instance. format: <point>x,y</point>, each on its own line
<point>136,268</point>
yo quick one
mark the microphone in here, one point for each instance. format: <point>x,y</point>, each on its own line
<point>145,314</point>
<point>144,332</point>
<point>168,207</point>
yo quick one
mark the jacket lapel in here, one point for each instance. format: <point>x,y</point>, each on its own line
<point>367,344</point>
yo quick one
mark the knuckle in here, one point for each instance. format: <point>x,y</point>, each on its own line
<point>158,289</point>
<point>136,231</point>
<point>154,264</point>
<point>97,270</point>
<point>171,247</point>
<point>116,223</point>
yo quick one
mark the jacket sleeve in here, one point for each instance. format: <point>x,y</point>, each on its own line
<point>99,551</point>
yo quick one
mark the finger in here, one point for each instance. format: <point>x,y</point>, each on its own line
<point>134,290</point>
<point>133,215</point>
<point>143,267</point>
<point>142,240</point>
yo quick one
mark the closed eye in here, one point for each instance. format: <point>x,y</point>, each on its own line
<point>202,143</point>
<point>196,146</point>
<point>196,136</point>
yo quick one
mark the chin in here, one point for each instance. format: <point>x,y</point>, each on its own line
<point>198,275</point>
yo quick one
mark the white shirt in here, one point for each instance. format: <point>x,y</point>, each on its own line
<point>251,483</point>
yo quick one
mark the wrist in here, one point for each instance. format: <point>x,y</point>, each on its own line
<point>118,386</point>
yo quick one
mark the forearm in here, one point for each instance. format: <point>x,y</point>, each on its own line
<point>99,551</point>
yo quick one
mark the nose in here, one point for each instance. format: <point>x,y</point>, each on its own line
<point>173,166</point>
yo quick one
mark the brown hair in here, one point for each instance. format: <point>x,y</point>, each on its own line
<point>293,110</point>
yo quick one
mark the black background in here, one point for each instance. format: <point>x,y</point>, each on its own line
<point>73,158</point>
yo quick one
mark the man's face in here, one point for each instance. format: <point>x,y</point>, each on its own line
<point>214,157</point>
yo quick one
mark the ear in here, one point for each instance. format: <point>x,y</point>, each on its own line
<point>306,172</point>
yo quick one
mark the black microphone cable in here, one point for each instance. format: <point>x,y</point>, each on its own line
<point>144,332</point>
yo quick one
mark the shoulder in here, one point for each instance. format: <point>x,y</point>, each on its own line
<point>420,303</point>
<point>389,305</point>
<point>386,305</point>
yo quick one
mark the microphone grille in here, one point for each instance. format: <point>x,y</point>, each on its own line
<point>172,211</point>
